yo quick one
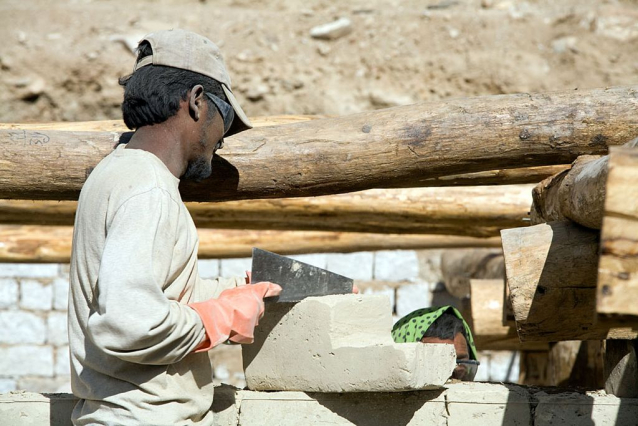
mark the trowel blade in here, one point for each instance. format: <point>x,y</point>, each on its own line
<point>297,279</point>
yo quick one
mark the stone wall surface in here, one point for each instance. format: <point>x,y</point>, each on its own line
<point>34,297</point>
<point>459,404</point>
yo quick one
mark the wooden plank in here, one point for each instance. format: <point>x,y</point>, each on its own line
<point>469,211</point>
<point>393,147</point>
<point>485,319</point>
<point>618,268</point>
<point>551,273</point>
<point>43,244</point>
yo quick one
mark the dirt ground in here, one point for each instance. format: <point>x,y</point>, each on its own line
<point>60,60</point>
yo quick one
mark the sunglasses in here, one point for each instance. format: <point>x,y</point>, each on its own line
<point>227,113</point>
<point>470,368</point>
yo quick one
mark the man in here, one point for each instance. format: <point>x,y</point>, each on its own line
<point>140,317</point>
<point>442,324</point>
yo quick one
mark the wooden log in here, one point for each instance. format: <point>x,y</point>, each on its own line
<point>515,176</point>
<point>534,368</point>
<point>576,194</point>
<point>392,147</point>
<point>576,364</point>
<point>42,244</point>
<point>473,211</point>
<point>621,368</point>
<point>618,267</point>
<point>551,273</point>
<point>458,267</point>
<point>485,319</point>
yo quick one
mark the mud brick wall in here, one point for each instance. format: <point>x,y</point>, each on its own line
<point>34,297</point>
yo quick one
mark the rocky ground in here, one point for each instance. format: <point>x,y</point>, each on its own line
<point>60,60</point>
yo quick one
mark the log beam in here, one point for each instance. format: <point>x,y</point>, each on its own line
<point>618,267</point>
<point>551,273</point>
<point>42,244</point>
<point>392,147</point>
<point>467,211</point>
<point>485,319</point>
<point>576,194</point>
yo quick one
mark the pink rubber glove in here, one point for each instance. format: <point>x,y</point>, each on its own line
<point>234,315</point>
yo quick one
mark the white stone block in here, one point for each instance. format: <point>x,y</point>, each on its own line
<point>319,260</point>
<point>36,295</point>
<point>396,265</point>
<point>593,408</point>
<point>62,361</point>
<point>470,403</point>
<point>9,292</point>
<point>26,360</point>
<point>18,327</point>
<point>33,409</point>
<point>57,327</point>
<point>45,384</point>
<point>483,372</point>
<point>8,385</point>
<point>61,294</point>
<point>208,268</point>
<point>385,291</point>
<point>411,297</point>
<point>29,270</point>
<point>340,344</point>
<point>504,366</point>
<point>235,267</point>
<point>358,266</point>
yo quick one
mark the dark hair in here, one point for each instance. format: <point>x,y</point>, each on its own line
<point>152,93</point>
<point>446,327</point>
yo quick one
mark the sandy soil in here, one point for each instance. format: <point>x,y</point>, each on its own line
<point>59,60</point>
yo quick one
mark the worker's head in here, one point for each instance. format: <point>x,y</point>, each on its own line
<point>180,76</point>
<point>441,325</point>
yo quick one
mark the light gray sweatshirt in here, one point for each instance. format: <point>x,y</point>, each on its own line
<point>133,270</point>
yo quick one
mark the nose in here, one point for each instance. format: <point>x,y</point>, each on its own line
<point>459,372</point>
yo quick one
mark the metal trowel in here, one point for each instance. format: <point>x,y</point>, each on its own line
<point>298,280</point>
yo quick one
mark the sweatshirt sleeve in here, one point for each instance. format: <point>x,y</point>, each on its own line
<point>134,320</point>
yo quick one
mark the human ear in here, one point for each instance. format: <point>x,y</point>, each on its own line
<point>196,101</point>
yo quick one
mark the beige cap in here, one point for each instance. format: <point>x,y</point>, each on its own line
<point>189,51</point>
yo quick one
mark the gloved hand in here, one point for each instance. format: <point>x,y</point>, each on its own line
<point>234,315</point>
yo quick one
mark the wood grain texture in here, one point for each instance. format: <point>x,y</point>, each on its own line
<point>51,244</point>
<point>577,194</point>
<point>458,267</point>
<point>466,211</point>
<point>393,147</point>
<point>618,267</point>
<point>551,274</point>
<point>486,313</point>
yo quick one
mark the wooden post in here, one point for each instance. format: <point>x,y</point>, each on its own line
<point>36,244</point>
<point>470,211</point>
<point>485,319</point>
<point>458,267</point>
<point>576,364</point>
<point>621,368</point>
<point>392,147</point>
<point>618,267</point>
<point>551,273</point>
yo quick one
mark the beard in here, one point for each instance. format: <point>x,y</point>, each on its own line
<point>201,167</point>
<point>198,169</point>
